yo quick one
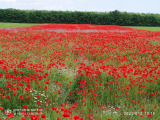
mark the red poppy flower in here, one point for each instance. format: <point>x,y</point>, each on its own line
<point>76,117</point>
<point>149,115</point>
<point>65,115</point>
<point>43,116</point>
<point>34,117</point>
<point>38,96</point>
<point>58,118</point>
<point>8,97</point>
<point>1,108</point>
<point>25,107</point>
<point>21,97</point>
<point>23,118</point>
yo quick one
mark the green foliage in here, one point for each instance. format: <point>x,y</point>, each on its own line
<point>67,17</point>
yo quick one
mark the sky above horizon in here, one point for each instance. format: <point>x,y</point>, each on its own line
<point>136,6</point>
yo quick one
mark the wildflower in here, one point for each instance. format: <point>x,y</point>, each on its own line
<point>23,118</point>
<point>38,96</point>
<point>8,97</point>
<point>1,108</point>
<point>25,107</point>
<point>21,97</point>
<point>1,74</point>
<point>34,117</point>
<point>60,85</point>
<point>24,112</point>
<point>38,111</point>
<point>58,118</point>
<point>53,108</point>
<point>95,101</point>
<point>43,116</point>
<point>10,115</point>
<point>117,108</point>
<point>76,117</point>
<point>149,115</point>
<point>66,115</point>
<point>152,94</point>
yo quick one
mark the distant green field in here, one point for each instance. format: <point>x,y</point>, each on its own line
<point>6,25</point>
<point>145,28</point>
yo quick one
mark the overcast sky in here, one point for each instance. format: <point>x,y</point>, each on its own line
<point>137,6</point>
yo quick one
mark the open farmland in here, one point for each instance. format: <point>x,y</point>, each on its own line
<point>146,28</point>
<point>6,25</point>
<point>79,72</point>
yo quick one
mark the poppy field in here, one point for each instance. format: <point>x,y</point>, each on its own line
<point>79,72</point>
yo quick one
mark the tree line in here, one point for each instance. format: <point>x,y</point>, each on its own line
<point>75,17</point>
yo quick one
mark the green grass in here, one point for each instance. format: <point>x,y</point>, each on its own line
<point>145,28</point>
<point>6,25</point>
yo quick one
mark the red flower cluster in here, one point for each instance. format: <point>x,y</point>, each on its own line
<point>79,71</point>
